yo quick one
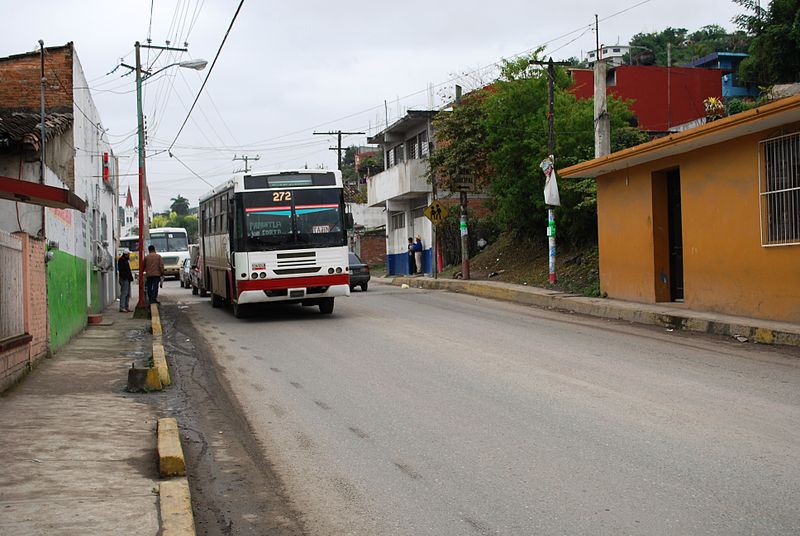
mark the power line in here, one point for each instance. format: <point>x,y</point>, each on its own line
<point>190,169</point>
<point>210,69</point>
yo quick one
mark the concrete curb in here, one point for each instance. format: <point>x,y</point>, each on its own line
<point>160,362</point>
<point>176,508</point>
<point>171,461</point>
<point>155,320</point>
<point>754,329</point>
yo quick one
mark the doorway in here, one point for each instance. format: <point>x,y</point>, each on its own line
<point>675,235</point>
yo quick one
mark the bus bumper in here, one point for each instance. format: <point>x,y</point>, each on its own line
<point>300,289</point>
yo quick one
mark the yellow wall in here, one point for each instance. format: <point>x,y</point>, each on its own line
<point>725,267</point>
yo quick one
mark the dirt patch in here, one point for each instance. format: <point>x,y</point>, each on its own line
<point>234,489</point>
<point>527,263</point>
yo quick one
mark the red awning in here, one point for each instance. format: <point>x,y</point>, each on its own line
<point>39,194</point>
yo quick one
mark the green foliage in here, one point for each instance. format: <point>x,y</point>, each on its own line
<point>173,219</point>
<point>688,46</point>
<point>449,234</point>
<point>462,151</point>
<point>499,136</point>
<point>775,47</point>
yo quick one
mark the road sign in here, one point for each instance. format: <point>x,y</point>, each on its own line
<point>436,212</point>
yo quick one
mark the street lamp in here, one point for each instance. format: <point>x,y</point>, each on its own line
<point>197,65</point>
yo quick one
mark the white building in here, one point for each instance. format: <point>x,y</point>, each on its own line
<point>611,54</point>
<point>402,189</point>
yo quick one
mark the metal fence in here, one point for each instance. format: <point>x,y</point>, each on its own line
<point>12,320</point>
<point>780,190</point>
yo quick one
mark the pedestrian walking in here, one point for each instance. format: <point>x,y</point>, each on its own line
<point>418,254</point>
<point>125,280</point>
<point>154,268</point>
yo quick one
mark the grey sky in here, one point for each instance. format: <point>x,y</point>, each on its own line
<point>289,67</point>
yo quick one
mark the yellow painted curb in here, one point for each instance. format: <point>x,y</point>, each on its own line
<point>153,381</point>
<point>170,454</point>
<point>176,508</point>
<point>160,362</point>
<point>155,320</point>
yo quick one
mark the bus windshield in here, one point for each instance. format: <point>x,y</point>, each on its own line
<point>169,241</point>
<point>290,219</point>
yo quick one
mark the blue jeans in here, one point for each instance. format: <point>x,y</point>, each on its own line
<point>124,294</point>
<point>152,288</point>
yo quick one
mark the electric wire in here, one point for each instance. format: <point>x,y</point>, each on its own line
<point>210,70</point>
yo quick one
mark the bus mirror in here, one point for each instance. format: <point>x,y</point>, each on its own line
<point>348,218</point>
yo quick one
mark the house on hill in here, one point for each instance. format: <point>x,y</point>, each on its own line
<point>708,218</point>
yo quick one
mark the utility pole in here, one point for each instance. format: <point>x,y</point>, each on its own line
<point>338,147</point>
<point>551,147</point>
<point>462,223</point>
<point>669,84</point>
<point>141,310</point>
<point>244,158</point>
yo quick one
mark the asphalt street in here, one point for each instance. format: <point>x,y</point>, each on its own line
<point>430,413</point>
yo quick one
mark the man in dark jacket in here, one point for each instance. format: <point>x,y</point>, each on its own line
<point>154,268</point>
<point>125,279</point>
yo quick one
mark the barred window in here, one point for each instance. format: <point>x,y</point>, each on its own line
<point>398,220</point>
<point>780,190</point>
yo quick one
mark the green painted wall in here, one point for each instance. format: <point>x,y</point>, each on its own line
<point>97,299</point>
<point>66,297</point>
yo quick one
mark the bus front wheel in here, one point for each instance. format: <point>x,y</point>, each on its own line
<point>326,306</point>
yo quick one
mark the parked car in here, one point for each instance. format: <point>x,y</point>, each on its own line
<point>196,281</point>
<point>185,274</point>
<point>359,273</point>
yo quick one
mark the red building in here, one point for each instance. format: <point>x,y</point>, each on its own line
<point>647,87</point>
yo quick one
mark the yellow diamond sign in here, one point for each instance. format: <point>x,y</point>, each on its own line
<point>436,212</point>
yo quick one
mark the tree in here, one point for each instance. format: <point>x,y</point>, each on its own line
<point>687,46</point>
<point>498,135</point>
<point>775,45</point>
<point>179,205</point>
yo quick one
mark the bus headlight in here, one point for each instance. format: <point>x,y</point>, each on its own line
<point>255,275</point>
<point>263,275</point>
<point>339,270</point>
<point>330,270</point>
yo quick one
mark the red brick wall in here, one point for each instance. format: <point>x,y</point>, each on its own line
<point>20,77</point>
<point>15,363</point>
<point>373,248</point>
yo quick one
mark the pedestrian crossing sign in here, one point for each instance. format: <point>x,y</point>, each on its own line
<point>436,212</point>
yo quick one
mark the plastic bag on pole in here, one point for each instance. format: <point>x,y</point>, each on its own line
<point>551,196</point>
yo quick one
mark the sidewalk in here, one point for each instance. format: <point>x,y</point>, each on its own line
<point>79,452</point>
<point>668,315</point>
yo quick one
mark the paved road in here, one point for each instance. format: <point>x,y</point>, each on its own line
<point>428,413</point>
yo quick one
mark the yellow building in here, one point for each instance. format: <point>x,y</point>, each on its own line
<point>708,218</point>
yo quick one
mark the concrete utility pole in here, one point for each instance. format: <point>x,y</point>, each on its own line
<point>338,147</point>
<point>669,84</point>
<point>602,124</point>
<point>244,158</point>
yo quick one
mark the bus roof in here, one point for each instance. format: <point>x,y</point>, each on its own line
<point>168,230</point>
<point>237,182</point>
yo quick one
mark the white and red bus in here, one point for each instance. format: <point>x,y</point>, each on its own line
<point>275,236</point>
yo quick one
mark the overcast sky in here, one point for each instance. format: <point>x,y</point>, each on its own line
<point>291,67</point>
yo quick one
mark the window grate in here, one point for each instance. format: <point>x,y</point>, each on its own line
<point>779,190</point>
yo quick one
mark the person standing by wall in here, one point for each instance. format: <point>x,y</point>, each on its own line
<point>411,261</point>
<point>125,279</point>
<point>418,254</point>
<point>154,268</point>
